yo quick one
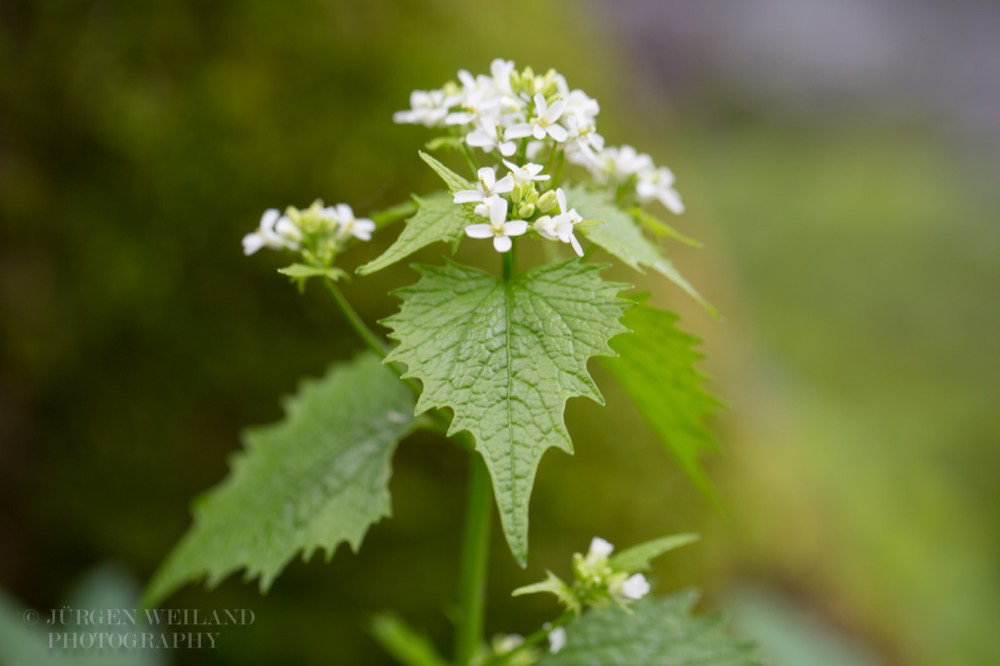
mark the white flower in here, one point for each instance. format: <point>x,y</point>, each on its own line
<point>659,184</point>
<point>275,231</point>
<point>501,70</point>
<point>428,108</point>
<point>560,227</point>
<point>600,547</point>
<point>347,225</point>
<point>626,161</point>
<point>487,188</point>
<point>499,228</point>
<point>506,643</point>
<point>544,122</point>
<point>635,587</point>
<point>488,135</point>
<point>478,98</point>
<point>557,639</point>
<point>526,173</point>
<point>579,105</point>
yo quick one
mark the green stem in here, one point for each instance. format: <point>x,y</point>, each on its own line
<point>548,166</point>
<point>365,333</point>
<point>470,159</point>
<point>508,261</point>
<point>557,178</point>
<point>475,554</point>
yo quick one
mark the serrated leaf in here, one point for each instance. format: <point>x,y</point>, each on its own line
<point>640,557</point>
<point>450,178</point>
<point>505,356</point>
<point>552,584</point>
<point>660,228</point>
<point>311,481</point>
<point>656,367</point>
<point>300,273</point>
<point>437,218</point>
<point>621,236</point>
<point>409,647</point>
<point>658,632</point>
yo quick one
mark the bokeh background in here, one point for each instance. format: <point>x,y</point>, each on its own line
<point>839,160</point>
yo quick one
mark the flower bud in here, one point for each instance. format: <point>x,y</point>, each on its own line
<point>548,202</point>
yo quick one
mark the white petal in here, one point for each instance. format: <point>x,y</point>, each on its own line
<point>268,219</point>
<point>540,105</point>
<point>557,640</point>
<point>515,227</point>
<point>504,185</point>
<point>507,148</point>
<point>459,118</point>
<point>479,139</point>
<point>467,196</point>
<point>502,243</point>
<point>557,132</point>
<point>345,212</point>
<point>488,177</point>
<point>576,245</point>
<point>498,211</point>
<point>518,131</point>
<point>672,201</point>
<point>251,243</point>
<point>556,110</point>
<point>538,132</point>
<point>599,546</point>
<point>546,228</point>
<point>479,231</point>
<point>561,198</point>
<point>635,587</point>
<point>287,228</point>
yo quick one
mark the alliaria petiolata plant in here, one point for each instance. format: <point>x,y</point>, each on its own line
<point>489,361</point>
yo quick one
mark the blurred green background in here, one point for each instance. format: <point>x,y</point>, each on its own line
<point>839,161</point>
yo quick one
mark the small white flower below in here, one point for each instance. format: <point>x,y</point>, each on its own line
<point>275,231</point>
<point>560,227</point>
<point>347,224</point>
<point>526,173</point>
<point>557,640</point>
<point>499,228</point>
<point>486,190</point>
<point>635,587</point>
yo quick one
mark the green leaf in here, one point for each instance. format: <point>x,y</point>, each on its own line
<point>302,272</point>
<point>658,632</point>
<point>640,557</point>
<point>622,237</point>
<point>406,645</point>
<point>505,356</point>
<point>450,178</point>
<point>552,584</point>
<point>656,367</point>
<point>437,218</point>
<point>660,228</point>
<point>316,479</point>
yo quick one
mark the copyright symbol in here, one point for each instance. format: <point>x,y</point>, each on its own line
<point>30,616</point>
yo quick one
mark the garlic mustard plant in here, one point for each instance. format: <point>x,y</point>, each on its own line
<point>488,359</point>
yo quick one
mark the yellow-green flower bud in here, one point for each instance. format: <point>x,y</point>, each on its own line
<point>548,202</point>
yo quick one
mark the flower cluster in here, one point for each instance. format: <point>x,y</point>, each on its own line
<point>597,582</point>
<point>533,119</point>
<point>318,232</point>
<point>598,579</point>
